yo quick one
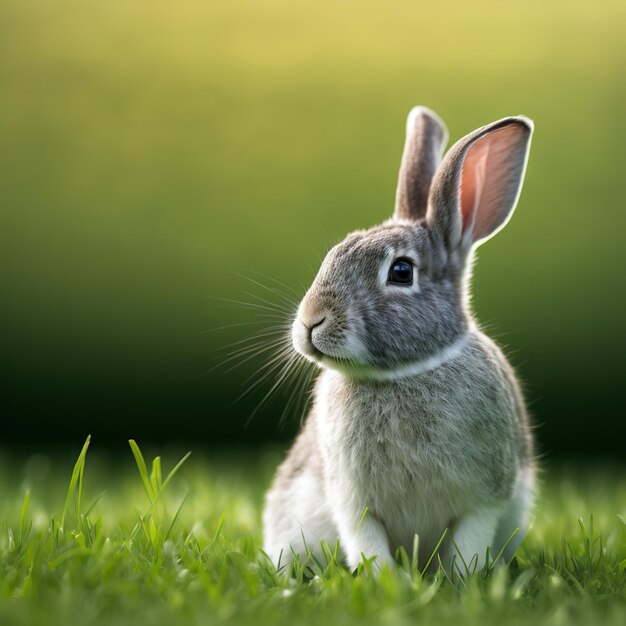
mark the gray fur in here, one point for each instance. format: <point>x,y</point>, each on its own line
<point>426,137</point>
<point>417,415</point>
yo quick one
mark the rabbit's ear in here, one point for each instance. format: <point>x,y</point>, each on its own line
<point>478,183</point>
<point>426,137</point>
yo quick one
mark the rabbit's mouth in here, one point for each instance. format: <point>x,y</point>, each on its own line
<point>325,342</point>
<point>326,361</point>
<point>303,341</point>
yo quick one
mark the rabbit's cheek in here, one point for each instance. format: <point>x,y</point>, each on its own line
<point>354,348</point>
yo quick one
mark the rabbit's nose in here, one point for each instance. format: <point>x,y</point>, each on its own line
<point>312,315</point>
<point>316,329</point>
<point>308,331</point>
<point>313,323</point>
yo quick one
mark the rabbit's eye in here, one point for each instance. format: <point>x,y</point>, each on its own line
<point>401,272</point>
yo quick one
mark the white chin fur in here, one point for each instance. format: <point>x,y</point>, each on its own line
<point>414,368</point>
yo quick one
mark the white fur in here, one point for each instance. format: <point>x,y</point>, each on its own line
<point>383,272</point>
<point>307,522</point>
<point>516,517</point>
<point>406,370</point>
<point>473,535</point>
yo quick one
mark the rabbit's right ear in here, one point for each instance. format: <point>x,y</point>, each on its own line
<point>478,182</point>
<point>426,137</point>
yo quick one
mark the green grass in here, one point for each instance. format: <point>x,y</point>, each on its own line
<point>182,546</point>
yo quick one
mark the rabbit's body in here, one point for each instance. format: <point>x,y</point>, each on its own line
<point>418,424</point>
<point>417,452</point>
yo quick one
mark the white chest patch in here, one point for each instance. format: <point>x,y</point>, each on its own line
<point>406,464</point>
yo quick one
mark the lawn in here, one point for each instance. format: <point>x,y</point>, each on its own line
<point>116,545</point>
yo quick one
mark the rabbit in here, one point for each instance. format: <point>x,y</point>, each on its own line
<point>418,425</point>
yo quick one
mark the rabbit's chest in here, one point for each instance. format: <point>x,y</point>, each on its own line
<point>380,430</point>
<point>397,464</point>
<point>403,454</point>
<point>397,453</point>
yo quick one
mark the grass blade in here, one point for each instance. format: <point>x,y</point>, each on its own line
<point>180,506</point>
<point>23,513</point>
<point>143,470</point>
<point>76,483</point>
<point>155,475</point>
<point>176,468</point>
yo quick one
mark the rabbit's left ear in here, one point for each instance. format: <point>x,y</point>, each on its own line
<point>479,181</point>
<point>426,137</point>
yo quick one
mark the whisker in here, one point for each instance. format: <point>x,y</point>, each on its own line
<point>306,389</point>
<point>286,306</point>
<point>254,350</point>
<point>227,326</point>
<point>257,348</point>
<point>245,360</point>
<point>288,299</point>
<point>272,370</point>
<point>284,349</point>
<point>251,305</point>
<point>282,354</point>
<point>288,369</point>
<point>259,334</point>
<point>274,280</point>
<point>275,386</point>
<point>299,386</point>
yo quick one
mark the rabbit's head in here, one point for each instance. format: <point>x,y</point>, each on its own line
<point>394,295</point>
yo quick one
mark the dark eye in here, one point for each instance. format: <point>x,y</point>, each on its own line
<point>401,272</point>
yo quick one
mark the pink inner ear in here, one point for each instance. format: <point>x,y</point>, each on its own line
<point>490,180</point>
<point>473,182</point>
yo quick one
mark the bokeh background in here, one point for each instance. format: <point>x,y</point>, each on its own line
<point>154,153</point>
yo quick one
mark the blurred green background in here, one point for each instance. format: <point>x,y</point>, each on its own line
<point>152,151</point>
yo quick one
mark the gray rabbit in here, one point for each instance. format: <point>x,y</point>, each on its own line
<point>418,424</point>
